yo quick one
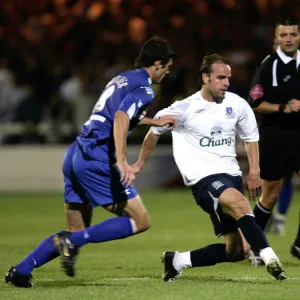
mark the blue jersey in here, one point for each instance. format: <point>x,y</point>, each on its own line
<point>130,92</point>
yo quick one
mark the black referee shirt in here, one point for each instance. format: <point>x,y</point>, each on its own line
<point>277,80</point>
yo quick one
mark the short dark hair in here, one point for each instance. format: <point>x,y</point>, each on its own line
<point>154,49</point>
<point>288,21</point>
<point>208,61</point>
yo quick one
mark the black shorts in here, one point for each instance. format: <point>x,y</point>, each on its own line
<point>279,152</point>
<point>207,192</point>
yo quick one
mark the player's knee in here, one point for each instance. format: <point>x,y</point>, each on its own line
<point>270,194</point>
<point>235,255</point>
<point>142,222</point>
<point>241,208</point>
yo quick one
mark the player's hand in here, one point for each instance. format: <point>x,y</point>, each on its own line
<point>293,106</point>
<point>127,174</point>
<point>137,167</point>
<point>164,120</point>
<point>253,186</point>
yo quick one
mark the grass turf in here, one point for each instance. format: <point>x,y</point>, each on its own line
<point>131,268</point>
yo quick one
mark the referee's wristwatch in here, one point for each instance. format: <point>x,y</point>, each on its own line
<point>282,107</point>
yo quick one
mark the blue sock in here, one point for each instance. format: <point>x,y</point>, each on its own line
<point>111,229</point>
<point>42,254</point>
<point>285,198</point>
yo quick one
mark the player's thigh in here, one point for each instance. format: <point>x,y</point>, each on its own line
<point>99,181</point>
<point>237,247</point>
<point>274,153</point>
<point>72,193</point>
<point>234,203</point>
<point>207,194</point>
<point>78,212</point>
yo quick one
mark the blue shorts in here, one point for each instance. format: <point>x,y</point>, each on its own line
<point>207,192</point>
<point>92,181</point>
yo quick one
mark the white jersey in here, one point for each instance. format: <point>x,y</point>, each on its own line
<point>204,137</point>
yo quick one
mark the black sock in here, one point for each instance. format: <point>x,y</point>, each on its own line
<point>252,233</point>
<point>297,241</point>
<point>262,215</point>
<point>209,255</point>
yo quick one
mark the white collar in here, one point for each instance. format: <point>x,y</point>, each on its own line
<point>286,59</point>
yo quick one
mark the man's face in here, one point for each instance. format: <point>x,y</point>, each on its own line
<point>162,71</point>
<point>218,80</point>
<point>288,38</point>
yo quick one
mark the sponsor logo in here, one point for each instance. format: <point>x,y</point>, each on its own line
<point>215,139</point>
<point>256,92</point>
<point>287,78</point>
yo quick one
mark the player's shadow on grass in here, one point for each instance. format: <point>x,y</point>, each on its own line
<point>236,280</point>
<point>67,284</point>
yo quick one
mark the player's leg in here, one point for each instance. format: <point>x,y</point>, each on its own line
<point>78,216</point>
<point>235,249</point>
<point>236,205</point>
<point>283,204</point>
<point>100,182</point>
<point>20,275</point>
<point>268,199</point>
<point>273,151</point>
<point>132,219</point>
<point>206,193</point>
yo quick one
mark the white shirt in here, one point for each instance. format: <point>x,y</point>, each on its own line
<point>204,137</point>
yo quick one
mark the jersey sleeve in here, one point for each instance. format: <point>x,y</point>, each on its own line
<point>247,126</point>
<point>260,84</point>
<point>135,100</point>
<point>178,110</point>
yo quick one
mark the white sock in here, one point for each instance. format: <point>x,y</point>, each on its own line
<point>267,254</point>
<point>182,261</point>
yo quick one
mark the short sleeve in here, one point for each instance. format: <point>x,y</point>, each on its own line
<point>178,110</point>
<point>135,100</point>
<point>247,126</point>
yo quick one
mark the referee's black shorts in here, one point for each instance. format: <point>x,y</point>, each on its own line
<point>279,152</point>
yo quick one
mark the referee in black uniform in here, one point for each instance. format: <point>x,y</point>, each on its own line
<point>275,96</point>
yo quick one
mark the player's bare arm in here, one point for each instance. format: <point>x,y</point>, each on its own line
<point>164,120</point>
<point>121,125</point>
<point>148,146</point>
<point>253,179</point>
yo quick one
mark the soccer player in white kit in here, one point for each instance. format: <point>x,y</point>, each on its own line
<point>204,140</point>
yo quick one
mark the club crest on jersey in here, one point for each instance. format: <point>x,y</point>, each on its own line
<point>229,112</point>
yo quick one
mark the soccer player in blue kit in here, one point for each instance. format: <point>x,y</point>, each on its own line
<point>95,169</point>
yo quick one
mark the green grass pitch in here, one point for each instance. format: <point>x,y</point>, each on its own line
<point>131,268</point>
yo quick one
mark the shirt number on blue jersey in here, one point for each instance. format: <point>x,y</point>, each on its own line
<point>103,98</point>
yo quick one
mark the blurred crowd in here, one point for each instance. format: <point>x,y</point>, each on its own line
<point>57,55</point>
